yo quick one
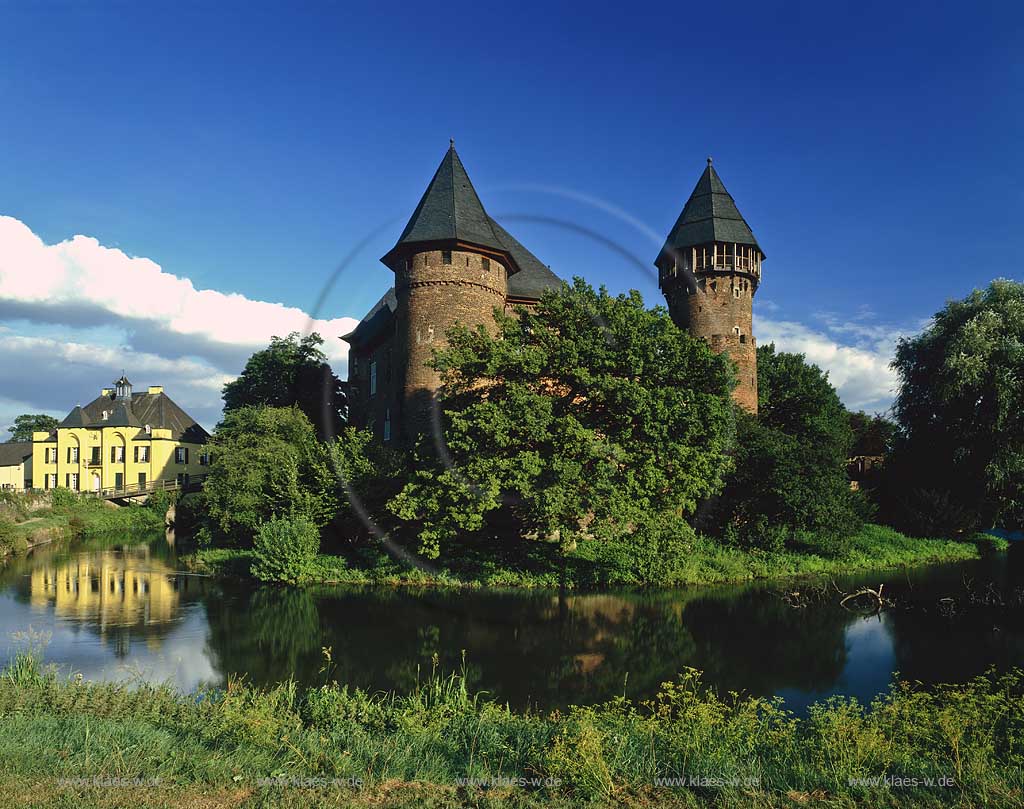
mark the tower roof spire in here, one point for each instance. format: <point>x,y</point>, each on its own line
<point>710,215</point>
<point>449,211</point>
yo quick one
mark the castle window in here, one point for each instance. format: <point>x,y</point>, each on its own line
<point>736,330</point>
<point>485,263</point>
<point>387,424</point>
<point>446,256</point>
<point>743,338</point>
<point>736,291</point>
<point>373,377</point>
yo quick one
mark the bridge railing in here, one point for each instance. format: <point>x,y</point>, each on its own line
<point>140,489</point>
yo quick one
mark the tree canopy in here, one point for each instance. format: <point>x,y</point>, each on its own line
<point>28,423</point>
<point>267,463</point>
<point>960,409</point>
<point>590,412</point>
<point>790,464</point>
<point>291,371</point>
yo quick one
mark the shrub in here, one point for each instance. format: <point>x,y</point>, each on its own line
<point>285,549</point>
<point>161,501</point>
<point>63,498</point>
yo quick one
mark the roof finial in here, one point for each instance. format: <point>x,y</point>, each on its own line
<point>709,161</point>
<point>451,143</point>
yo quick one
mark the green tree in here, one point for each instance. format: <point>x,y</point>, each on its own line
<point>958,463</point>
<point>872,435</point>
<point>267,462</point>
<point>28,423</point>
<point>291,371</point>
<point>790,469</point>
<point>586,415</point>
<point>370,474</point>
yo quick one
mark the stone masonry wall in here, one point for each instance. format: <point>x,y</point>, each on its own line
<point>432,297</point>
<point>720,311</point>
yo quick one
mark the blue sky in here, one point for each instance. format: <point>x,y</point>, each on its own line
<point>873,148</point>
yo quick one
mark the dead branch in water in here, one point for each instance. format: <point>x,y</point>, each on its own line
<point>876,595</point>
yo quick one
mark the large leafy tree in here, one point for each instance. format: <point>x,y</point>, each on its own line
<point>959,459</point>
<point>267,462</point>
<point>589,414</point>
<point>291,371</point>
<point>28,423</point>
<point>873,435</point>
<point>790,470</point>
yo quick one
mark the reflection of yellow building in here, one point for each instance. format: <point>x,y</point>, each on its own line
<point>118,440</point>
<point>109,588</point>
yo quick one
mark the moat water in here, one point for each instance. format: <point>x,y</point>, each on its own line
<point>118,611</point>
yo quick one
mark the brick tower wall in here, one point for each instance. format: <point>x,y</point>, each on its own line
<point>432,297</point>
<point>721,305</point>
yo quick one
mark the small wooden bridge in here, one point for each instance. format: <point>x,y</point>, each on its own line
<point>190,483</point>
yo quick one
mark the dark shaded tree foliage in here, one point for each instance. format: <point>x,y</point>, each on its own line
<point>28,423</point>
<point>267,463</point>
<point>590,413</point>
<point>790,461</point>
<point>872,435</point>
<point>292,371</point>
<point>958,461</point>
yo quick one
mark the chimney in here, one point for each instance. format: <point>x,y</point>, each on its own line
<point>155,389</point>
<point>107,392</point>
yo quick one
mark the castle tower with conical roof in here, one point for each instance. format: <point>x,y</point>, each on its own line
<point>709,270</point>
<point>451,265</point>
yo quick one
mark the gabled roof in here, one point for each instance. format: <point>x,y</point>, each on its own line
<point>449,211</point>
<point>15,453</point>
<point>375,322</point>
<point>157,410</point>
<point>710,215</point>
<point>533,276</point>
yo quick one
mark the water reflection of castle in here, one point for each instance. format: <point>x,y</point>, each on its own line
<point>111,589</point>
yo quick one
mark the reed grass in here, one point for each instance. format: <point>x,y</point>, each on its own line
<point>412,749</point>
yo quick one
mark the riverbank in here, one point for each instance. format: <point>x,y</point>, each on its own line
<point>536,565</point>
<point>28,521</point>
<point>67,742</point>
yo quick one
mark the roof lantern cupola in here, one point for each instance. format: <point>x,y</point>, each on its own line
<point>123,388</point>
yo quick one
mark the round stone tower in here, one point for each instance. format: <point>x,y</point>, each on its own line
<point>451,266</point>
<point>709,270</point>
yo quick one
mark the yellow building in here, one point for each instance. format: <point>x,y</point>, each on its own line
<point>16,465</point>
<point>120,439</point>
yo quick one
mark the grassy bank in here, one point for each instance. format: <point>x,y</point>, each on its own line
<point>27,520</point>
<point>537,565</point>
<point>219,747</point>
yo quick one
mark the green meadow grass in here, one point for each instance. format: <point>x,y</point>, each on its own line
<point>219,747</point>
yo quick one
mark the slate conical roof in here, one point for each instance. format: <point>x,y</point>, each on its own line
<point>449,211</point>
<point>76,418</point>
<point>710,215</point>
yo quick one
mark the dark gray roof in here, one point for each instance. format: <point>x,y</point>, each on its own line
<point>377,321</point>
<point>449,211</point>
<point>14,453</point>
<point>157,410</point>
<point>710,215</point>
<point>76,418</point>
<point>533,276</point>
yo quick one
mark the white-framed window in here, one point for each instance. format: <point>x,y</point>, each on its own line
<point>149,429</point>
<point>72,454</point>
<point>117,454</point>
<point>142,455</point>
<point>373,377</point>
<point>181,454</point>
<point>51,455</point>
<point>51,481</point>
<point>204,459</point>
<point>72,481</point>
<point>387,424</point>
